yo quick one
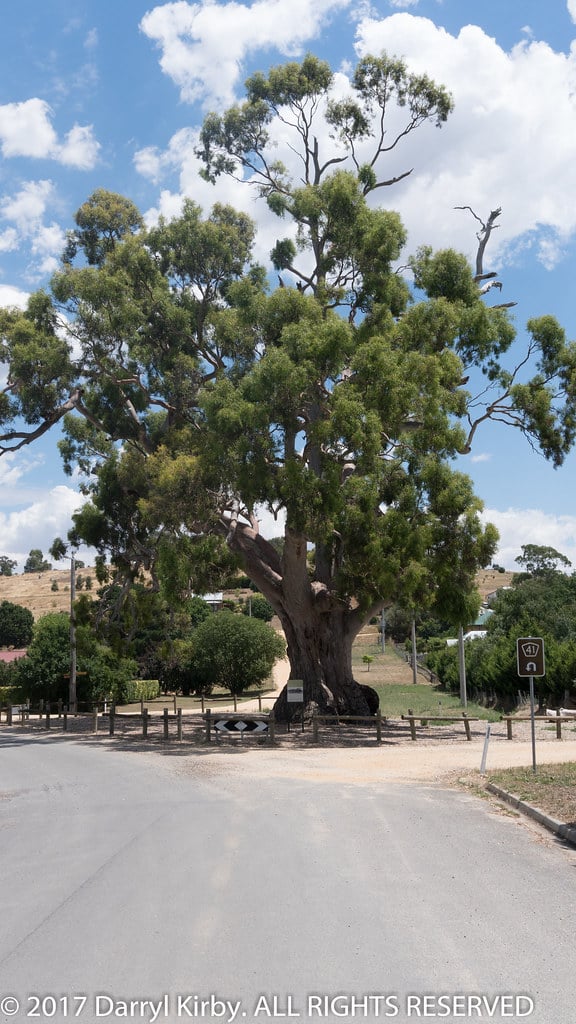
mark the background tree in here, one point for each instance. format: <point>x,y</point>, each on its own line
<point>259,608</point>
<point>7,565</point>
<point>234,652</point>
<point>43,673</point>
<point>338,401</point>
<point>537,559</point>
<point>35,562</point>
<point>540,604</point>
<point>16,625</point>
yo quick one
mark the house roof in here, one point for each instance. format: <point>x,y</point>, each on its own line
<point>13,655</point>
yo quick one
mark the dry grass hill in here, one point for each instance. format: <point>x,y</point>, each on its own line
<point>35,590</point>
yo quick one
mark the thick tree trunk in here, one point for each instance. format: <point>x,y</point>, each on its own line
<point>318,625</point>
<point>320,653</point>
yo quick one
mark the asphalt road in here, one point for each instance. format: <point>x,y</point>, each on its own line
<point>129,890</point>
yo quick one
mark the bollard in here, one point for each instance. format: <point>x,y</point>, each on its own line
<point>65,720</point>
<point>412,724</point>
<point>466,725</point>
<point>175,707</point>
<point>60,707</point>
<point>165,723</point>
<point>111,718</point>
<point>235,703</point>
<point>208,725</point>
<point>9,715</point>
<point>145,723</point>
<point>378,726</point>
<point>315,728</point>
<point>272,726</point>
<point>48,717</point>
<point>96,719</point>
<point>179,723</point>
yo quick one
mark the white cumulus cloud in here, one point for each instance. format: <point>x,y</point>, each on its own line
<point>37,525</point>
<point>26,130</point>
<point>519,526</point>
<point>204,45</point>
<point>506,144</point>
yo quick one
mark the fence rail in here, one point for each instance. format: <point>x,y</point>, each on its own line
<point>197,726</point>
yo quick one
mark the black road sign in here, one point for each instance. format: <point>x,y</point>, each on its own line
<point>530,656</point>
<point>239,725</point>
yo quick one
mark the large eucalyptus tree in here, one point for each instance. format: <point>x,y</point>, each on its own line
<point>337,399</point>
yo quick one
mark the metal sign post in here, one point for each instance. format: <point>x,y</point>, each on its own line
<point>295,694</point>
<point>531,663</point>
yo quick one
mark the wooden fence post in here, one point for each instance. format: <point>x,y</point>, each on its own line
<point>48,717</point>
<point>272,726</point>
<point>112,716</point>
<point>378,726</point>
<point>145,723</point>
<point>235,702</point>
<point>315,728</point>
<point>179,723</point>
<point>412,724</point>
<point>175,708</point>
<point>165,723</point>
<point>466,725</point>
<point>65,719</point>
<point>9,715</point>
<point>60,707</point>
<point>208,717</point>
<point>508,728</point>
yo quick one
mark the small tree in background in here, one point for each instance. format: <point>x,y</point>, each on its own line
<point>35,562</point>
<point>234,652</point>
<point>16,625</point>
<point>7,565</point>
<point>258,608</point>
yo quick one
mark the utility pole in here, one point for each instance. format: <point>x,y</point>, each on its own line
<point>462,668</point>
<point>414,653</point>
<point>72,687</point>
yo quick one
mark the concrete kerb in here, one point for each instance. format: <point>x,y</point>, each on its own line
<point>559,828</point>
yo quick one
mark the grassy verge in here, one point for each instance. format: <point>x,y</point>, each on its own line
<point>551,788</point>
<point>425,699</point>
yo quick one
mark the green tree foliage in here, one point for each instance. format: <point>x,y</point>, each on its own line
<point>537,559</point>
<point>43,673</point>
<point>36,563</point>
<point>541,604</point>
<point>338,401</point>
<point>259,608</point>
<point>7,565</point>
<point>16,625</point>
<point>233,652</point>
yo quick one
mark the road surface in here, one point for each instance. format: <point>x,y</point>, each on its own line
<point>137,886</point>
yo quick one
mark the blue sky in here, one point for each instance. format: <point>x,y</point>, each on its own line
<point>101,94</point>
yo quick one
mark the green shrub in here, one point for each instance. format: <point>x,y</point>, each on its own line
<point>258,608</point>
<point>140,689</point>
<point>8,695</point>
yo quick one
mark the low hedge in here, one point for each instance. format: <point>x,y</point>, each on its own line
<point>140,689</point>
